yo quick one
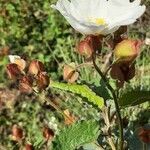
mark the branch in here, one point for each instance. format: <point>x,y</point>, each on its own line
<point>115,101</point>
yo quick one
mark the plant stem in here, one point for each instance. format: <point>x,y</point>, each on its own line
<point>111,143</point>
<point>115,101</point>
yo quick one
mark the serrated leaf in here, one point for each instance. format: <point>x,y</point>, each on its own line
<point>76,135</point>
<point>134,97</point>
<point>82,90</point>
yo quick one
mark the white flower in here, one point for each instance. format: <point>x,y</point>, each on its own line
<point>99,16</point>
<point>12,58</point>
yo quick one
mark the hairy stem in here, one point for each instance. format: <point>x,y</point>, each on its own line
<point>111,143</point>
<point>121,138</point>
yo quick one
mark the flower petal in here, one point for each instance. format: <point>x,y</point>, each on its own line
<point>81,26</point>
<point>12,58</point>
<point>128,17</point>
<point>112,14</point>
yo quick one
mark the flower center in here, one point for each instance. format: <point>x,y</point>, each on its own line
<point>98,21</point>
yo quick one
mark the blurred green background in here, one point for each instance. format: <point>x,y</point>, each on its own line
<point>31,29</point>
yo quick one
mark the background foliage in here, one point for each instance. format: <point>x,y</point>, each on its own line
<point>30,28</point>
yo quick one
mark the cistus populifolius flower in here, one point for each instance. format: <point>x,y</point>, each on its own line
<point>99,16</point>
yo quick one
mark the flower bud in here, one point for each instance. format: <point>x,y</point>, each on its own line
<point>48,133</point>
<point>69,73</point>
<point>127,50</point>
<point>84,49</point>
<point>35,67</point>
<point>43,80</point>
<point>25,84</point>
<point>87,46</point>
<point>17,60</point>
<point>17,133</point>
<point>29,147</point>
<point>94,41</point>
<point>144,135</point>
<point>122,72</point>
<point>13,71</point>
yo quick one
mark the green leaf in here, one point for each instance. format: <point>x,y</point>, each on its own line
<point>134,97</point>
<point>82,90</point>
<point>76,135</point>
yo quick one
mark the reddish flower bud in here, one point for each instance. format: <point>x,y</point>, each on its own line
<point>69,73</point>
<point>18,60</point>
<point>48,133</point>
<point>122,72</point>
<point>13,71</point>
<point>35,67</point>
<point>144,135</point>
<point>25,84</point>
<point>94,41</point>
<point>84,49</point>
<point>127,50</point>
<point>17,133</point>
<point>43,80</point>
<point>87,46</point>
<point>29,147</point>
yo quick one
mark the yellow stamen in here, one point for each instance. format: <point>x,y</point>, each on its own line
<point>100,21</point>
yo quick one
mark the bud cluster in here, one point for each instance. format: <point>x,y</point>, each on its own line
<point>125,52</point>
<point>28,76</point>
